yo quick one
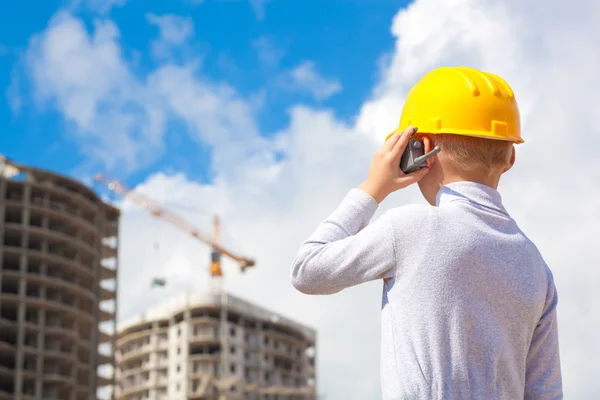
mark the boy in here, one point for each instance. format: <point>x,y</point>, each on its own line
<point>469,305</point>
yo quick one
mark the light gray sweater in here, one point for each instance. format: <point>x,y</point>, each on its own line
<point>469,305</point>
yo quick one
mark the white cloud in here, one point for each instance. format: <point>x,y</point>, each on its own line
<point>86,78</point>
<point>258,6</point>
<point>214,113</point>
<point>268,54</point>
<point>304,78</point>
<point>548,55</point>
<point>174,32</point>
<point>98,6</point>
<point>13,93</point>
<point>119,118</point>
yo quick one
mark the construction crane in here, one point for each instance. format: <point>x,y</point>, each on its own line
<point>216,272</point>
<point>148,204</point>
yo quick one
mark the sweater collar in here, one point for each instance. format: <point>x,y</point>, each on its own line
<point>471,192</point>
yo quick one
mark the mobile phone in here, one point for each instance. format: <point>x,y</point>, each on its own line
<point>414,157</point>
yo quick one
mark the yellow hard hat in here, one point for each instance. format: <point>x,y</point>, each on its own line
<point>462,101</point>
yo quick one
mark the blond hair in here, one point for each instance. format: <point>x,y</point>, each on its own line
<point>472,153</point>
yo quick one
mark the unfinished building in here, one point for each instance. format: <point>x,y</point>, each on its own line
<point>205,346</point>
<point>58,268</point>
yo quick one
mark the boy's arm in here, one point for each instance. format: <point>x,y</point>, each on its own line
<point>543,376</point>
<point>341,253</point>
<point>344,251</point>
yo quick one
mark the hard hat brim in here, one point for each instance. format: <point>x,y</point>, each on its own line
<point>478,134</point>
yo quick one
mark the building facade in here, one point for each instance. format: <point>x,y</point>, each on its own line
<point>202,346</point>
<point>58,268</point>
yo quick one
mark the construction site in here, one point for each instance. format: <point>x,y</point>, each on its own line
<point>59,335</point>
<point>199,346</point>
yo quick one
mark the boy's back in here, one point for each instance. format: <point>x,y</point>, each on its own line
<point>462,306</point>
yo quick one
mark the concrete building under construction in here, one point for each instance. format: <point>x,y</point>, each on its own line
<point>58,268</point>
<point>204,346</point>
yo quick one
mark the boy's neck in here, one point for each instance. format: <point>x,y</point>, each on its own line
<point>490,180</point>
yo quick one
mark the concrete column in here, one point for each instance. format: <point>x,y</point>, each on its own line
<point>22,293</point>
<point>224,367</point>
<point>74,353</point>
<point>93,362</point>
<point>153,375</point>
<point>42,319</point>
<point>116,305</point>
<point>260,353</point>
<point>2,213</point>
<point>41,339</point>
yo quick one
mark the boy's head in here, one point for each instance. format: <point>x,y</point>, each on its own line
<point>473,116</point>
<point>465,158</point>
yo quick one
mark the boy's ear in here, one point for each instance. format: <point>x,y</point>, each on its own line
<point>429,144</point>
<point>513,156</point>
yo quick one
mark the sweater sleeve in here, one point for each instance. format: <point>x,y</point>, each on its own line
<point>543,376</point>
<point>345,250</point>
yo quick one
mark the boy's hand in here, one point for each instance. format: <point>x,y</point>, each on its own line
<point>385,175</point>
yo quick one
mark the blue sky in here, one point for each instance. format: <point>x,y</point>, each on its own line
<point>239,44</point>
